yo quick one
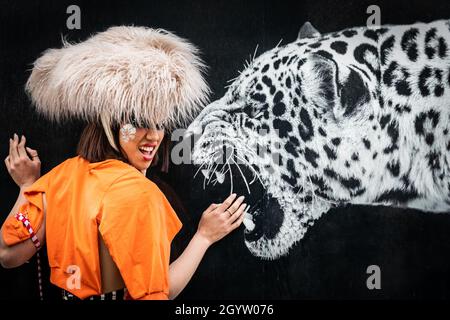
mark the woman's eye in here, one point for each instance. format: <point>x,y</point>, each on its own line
<point>134,122</point>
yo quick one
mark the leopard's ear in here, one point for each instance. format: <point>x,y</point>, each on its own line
<point>308,31</point>
<point>333,87</point>
<point>320,80</point>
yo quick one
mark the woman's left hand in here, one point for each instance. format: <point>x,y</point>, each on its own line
<point>23,167</point>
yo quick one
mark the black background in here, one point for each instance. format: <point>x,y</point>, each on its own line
<point>411,248</point>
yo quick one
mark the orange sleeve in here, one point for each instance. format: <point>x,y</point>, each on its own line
<point>13,230</point>
<point>137,226</point>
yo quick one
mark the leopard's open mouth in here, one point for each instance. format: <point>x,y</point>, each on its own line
<point>272,225</point>
<point>227,162</point>
<point>264,215</point>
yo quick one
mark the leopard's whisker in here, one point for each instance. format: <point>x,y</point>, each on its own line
<point>243,177</point>
<point>205,162</point>
<point>255,173</point>
<point>198,170</point>
<point>231,178</point>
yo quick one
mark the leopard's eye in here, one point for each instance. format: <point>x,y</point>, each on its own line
<point>258,114</point>
<point>248,110</point>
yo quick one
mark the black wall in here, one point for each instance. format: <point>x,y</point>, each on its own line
<point>411,248</point>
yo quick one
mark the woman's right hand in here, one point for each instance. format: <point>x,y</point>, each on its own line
<point>220,219</point>
<point>22,169</point>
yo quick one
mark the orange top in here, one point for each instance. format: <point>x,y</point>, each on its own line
<point>132,215</point>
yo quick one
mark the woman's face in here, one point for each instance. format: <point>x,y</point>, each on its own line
<point>140,145</point>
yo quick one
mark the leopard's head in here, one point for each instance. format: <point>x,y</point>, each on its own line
<point>286,123</point>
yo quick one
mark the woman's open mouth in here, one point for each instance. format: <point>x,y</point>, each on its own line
<point>148,152</point>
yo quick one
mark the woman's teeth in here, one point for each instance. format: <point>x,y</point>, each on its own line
<point>146,150</point>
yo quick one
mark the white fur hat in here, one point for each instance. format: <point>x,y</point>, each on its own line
<point>123,74</point>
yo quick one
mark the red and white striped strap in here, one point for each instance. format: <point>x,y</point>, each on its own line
<point>24,219</point>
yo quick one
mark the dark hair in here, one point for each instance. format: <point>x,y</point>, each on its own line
<point>95,147</point>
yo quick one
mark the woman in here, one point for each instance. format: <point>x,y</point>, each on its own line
<point>107,227</point>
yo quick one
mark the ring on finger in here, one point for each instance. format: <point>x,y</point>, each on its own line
<point>229,212</point>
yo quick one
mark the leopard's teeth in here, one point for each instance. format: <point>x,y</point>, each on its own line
<point>205,172</point>
<point>220,177</point>
<point>248,221</point>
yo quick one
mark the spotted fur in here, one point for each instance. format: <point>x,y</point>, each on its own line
<point>360,116</point>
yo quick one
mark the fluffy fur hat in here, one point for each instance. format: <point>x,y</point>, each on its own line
<point>124,74</point>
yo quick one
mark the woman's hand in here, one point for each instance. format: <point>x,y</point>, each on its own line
<point>24,168</point>
<point>220,219</point>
